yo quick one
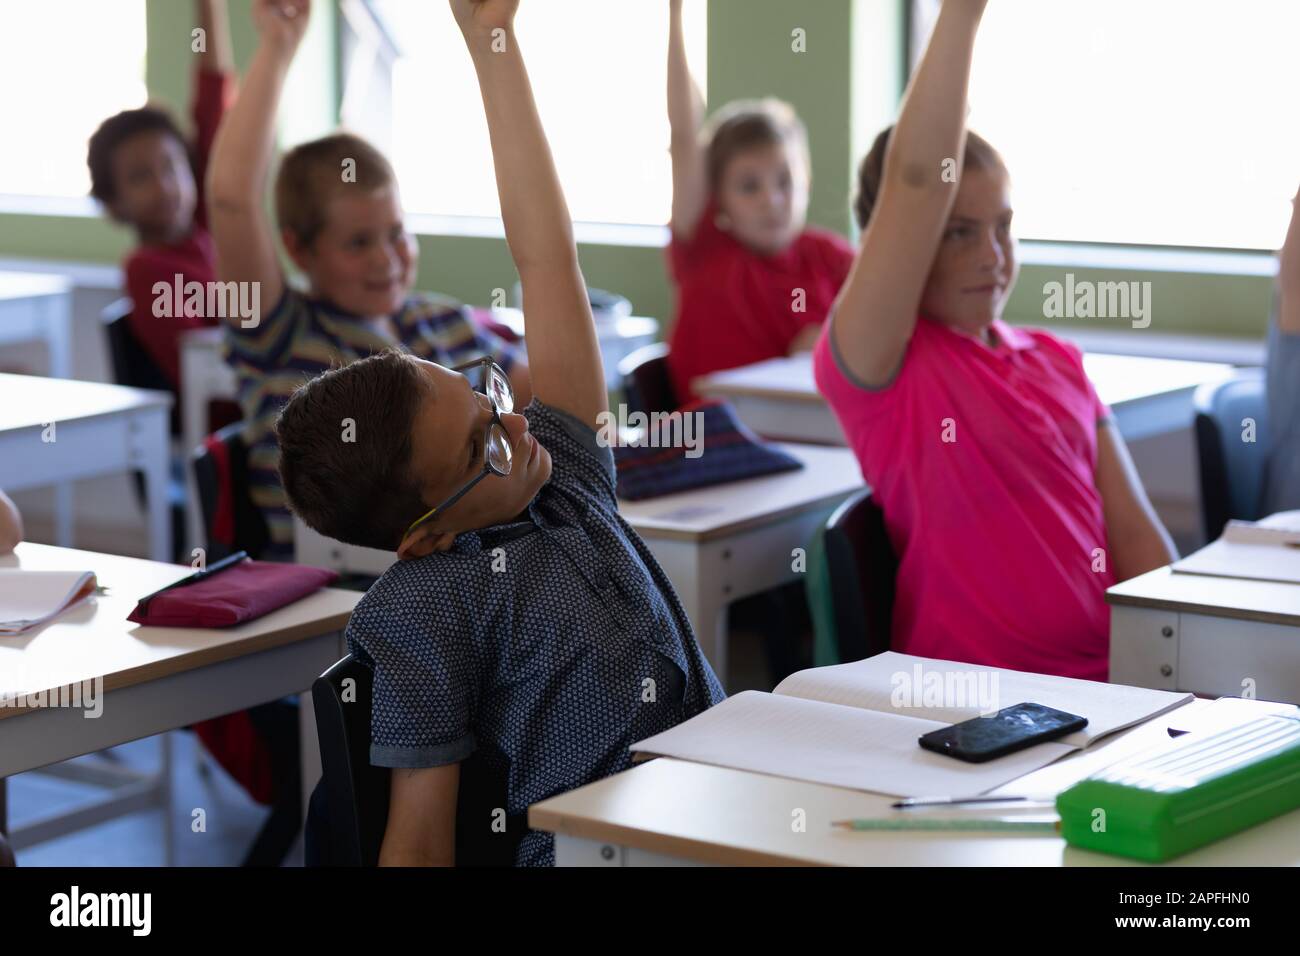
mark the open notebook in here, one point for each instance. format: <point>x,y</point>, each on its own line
<point>1264,550</point>
<point>856,725</point>
<point>29,598</point>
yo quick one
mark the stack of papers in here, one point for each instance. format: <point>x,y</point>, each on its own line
<point>30,598</point>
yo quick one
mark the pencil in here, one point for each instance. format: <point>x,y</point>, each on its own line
<point>1001,824</point>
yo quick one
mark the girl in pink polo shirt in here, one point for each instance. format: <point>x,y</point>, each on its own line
<point>1007,491</point>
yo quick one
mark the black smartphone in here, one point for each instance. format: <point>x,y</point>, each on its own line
<point>1010,729</point>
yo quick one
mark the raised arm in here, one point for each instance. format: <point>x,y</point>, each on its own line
<point>685,116</point>
<point>241,157</point>
<point>1288,316</point>
<point>215,56</point>
<point>876,311</point>
<point>563,355</point>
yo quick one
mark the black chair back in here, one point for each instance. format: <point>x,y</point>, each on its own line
<point>250,531</point>
<point>647,386</point>
<point>862,567</point>
<point>1231,467</point>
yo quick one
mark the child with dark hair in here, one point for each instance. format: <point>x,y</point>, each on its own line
<point>340,220</point>
<point>754,281</point>
<point>528,637</point>
<point>149,176</point>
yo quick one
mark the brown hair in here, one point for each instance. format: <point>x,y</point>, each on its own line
<point>359,491</point>
<point>747,124</point>
<point>312,172</point>
<point>115,131</point>
<point>979,155</point>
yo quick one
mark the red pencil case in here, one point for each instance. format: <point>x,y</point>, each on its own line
<point>242,593</point>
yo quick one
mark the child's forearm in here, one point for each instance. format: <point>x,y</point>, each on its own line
<point>535,214</point>
<point>685,114</point>
<point>241,156</point>
<point>932,124</point>
<point>215,56</point>
<point>563,354</point>
<point>685,104</point>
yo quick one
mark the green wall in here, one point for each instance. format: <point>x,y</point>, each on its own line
<point>845,86</point>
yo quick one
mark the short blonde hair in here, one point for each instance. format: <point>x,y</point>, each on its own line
<point>311,173</point>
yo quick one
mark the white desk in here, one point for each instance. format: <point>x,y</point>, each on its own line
<point>154,679</point>
<point>97,429</point>
<point>779,399</point>
<point>717,544</point>
<point>35,306</point>
<point>1207,635</point>
<point>726,542</point>
<point>673,812</point>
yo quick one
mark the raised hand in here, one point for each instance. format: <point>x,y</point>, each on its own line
<point>281,23</point>
<point>484,16</point>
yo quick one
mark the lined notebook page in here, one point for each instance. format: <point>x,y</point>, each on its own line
<point>842,746</point>
<point>948,692</point>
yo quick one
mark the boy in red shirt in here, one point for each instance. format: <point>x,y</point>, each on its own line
<point>148,177</point>
<point>754,281</point>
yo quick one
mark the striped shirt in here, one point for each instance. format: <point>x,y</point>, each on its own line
<point>303,337</point>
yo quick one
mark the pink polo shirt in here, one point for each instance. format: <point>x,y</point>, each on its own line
<point>982,459</point>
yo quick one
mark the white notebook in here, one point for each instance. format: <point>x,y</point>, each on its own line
<point>1265,550</point>
<point>30,598</point>
<point>856,725</point>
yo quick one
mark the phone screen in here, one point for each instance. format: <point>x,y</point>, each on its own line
<point>1010,729</point>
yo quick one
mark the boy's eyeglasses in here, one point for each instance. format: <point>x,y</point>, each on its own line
<point>489,378</point>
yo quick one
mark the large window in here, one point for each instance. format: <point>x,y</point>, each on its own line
<point>598,70</point>
<point>1167,122</point>
<point>65,65</point>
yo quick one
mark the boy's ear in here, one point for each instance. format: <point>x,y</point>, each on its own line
<point>423,541</point>
<point>297,251</point>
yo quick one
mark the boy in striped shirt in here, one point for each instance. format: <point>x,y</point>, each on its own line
<point>340,218</point>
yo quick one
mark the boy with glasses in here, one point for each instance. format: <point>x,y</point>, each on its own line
<point>528,636</point>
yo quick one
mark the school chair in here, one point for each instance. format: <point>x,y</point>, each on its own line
<point>231,521</point>
<point>354,793</point>
<point>240,741</point>
<point>1231,465</point>
<point>647,386</point>
<point>133,367</point>
<point>850,583</point>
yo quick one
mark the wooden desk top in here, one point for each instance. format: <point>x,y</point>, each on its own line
<point>31,285</point>
<point>31,401</point>
<point>703,513</point>
<point>1271,602</point>
<point>738,818</point>
<point>96,640</point>
<point>1118,378</point>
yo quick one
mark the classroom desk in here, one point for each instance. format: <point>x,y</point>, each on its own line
<point>673,812</point>
<point>717,544</point>
<point>155,679</point>
<point>36,306</point>
<point>98,429</point>
<point>726,542</point>
<point>779,399</point>
<point>1208,635</point>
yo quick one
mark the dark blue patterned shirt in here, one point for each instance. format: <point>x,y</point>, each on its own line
<point>536,651</point>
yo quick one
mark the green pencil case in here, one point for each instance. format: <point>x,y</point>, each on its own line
<point>1188,792</point>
